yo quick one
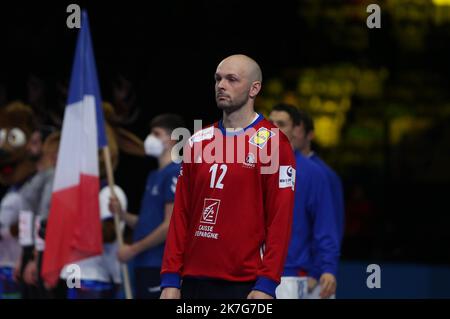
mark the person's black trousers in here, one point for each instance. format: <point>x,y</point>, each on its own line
<point>200,288</point>
<point>148,282</point>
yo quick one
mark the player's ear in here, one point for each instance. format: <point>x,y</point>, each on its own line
<point>172,142</point>
<point>254,89</point>
<point>297,131</point>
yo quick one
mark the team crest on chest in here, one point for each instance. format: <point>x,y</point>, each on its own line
<point>250,161</point>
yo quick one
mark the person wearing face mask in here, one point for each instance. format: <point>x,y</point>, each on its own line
<point>151,225</point>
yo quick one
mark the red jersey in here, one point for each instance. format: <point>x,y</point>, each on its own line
<point>233,207</point>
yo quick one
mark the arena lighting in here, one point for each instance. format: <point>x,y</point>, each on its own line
<point>441,2</point>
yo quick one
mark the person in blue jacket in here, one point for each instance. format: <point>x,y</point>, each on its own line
<point>151,225</point>
<point>314,246</point>
<point>302,142</point>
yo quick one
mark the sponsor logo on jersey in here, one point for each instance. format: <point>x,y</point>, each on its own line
<point>209,216</point>
<point>287,177</point>
<point>206,231</point>
<point>261,137</point>
<point>201,135</point>
<point>210,211</point>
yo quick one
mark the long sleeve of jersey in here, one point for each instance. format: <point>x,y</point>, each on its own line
<point>279,204</point>
<point>173,254</point>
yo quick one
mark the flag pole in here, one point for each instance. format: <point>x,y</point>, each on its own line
<point>110,177</point>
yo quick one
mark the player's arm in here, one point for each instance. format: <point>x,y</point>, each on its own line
<point>156,237</point>
<point>279,204</point>
<point>326,236</point>
<point>116,208</point>
<point>130,219</point>
<point>176,238</point>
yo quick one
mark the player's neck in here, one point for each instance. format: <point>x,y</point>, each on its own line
<point>165,159</point>
<point>238,119</point>
<point>307,152</point>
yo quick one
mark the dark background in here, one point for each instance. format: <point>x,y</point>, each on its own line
<point>383,92</point>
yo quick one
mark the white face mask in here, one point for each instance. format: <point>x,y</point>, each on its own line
<point>153,146</point>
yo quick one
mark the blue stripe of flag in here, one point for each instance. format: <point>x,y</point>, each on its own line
<point>84,79</point>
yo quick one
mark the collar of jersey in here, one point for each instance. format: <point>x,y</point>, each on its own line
<point>227,133</point>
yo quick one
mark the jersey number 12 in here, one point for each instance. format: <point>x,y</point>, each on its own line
<point>213,171</point>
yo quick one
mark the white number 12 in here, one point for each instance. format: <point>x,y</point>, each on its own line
<point>213,171</point>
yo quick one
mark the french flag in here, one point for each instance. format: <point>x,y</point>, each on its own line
<point>74,230</point>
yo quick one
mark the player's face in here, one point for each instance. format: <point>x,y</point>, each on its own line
<point>284,122</point>
<point>163,135</point>
<point>49,154</point>
<point>34,146</point>
<point>300,138</point>
<point>232,88</point>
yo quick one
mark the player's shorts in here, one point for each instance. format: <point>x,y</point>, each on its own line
<point>9,289</point>
<point>292,288</point>
<point>91,289</point>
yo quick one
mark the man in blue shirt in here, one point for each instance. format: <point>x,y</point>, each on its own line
<point>152,223</point>
<point>302,142</point>
<point>314,246</point>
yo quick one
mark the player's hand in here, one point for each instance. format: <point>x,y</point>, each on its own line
<point>126,252</point>
<point>256,294</point>
<point>114,206</point>
<point>312,283</point>
<point>327,285</point>
<point>170,293</point>
<point>30,274</point>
